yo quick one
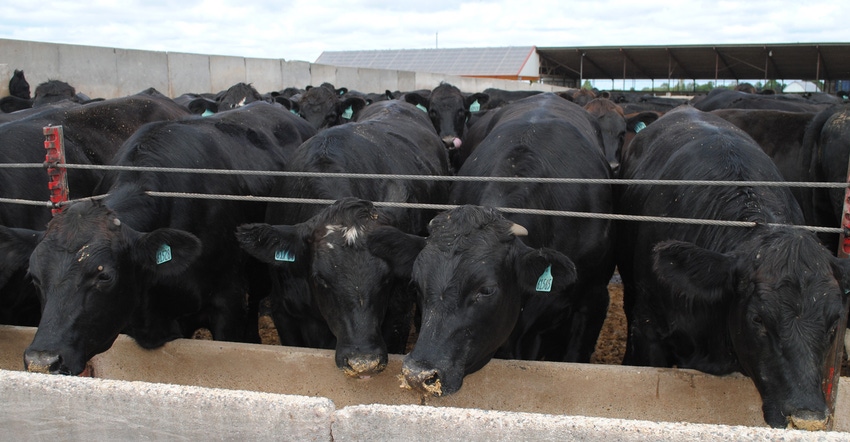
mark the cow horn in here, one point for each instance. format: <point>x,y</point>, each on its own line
<point>518,230</point>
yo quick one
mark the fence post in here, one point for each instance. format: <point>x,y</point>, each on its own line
<point>836,355</point>
<point>54,143</point>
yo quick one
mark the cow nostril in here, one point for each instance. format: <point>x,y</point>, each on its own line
<point>42,362</point>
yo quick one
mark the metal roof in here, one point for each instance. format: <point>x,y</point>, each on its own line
<point>803,61</point>
<point>489,62</point>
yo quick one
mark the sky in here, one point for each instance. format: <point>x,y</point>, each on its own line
<point>303,29</point>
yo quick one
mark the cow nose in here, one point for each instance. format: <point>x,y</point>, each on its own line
<point>808,420</point>
<point>42,362</point>
<point>424,380</point>
<point>363,366</point>
<point>452,142</point>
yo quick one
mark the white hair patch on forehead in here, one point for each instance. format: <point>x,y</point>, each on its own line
<point>350,234</point>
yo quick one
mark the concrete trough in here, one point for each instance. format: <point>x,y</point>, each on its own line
<point>503,398</point>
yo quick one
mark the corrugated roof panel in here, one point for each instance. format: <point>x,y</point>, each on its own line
<point>503,61</point>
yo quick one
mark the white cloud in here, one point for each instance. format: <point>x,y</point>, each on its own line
<point>302,29</point>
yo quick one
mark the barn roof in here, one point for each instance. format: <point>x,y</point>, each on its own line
<point>792,61</point>
<point>805,61</point>
<point>470,62</point>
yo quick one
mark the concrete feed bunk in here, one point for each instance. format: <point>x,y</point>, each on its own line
<point>591,400</point>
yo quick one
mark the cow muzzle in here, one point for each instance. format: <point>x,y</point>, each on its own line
<point>452,142</point>
<point>808,420</point>
<point>44,362</point>
<point>363,366</point>
<point>425,380</point>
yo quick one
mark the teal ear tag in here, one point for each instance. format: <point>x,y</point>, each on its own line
<point>474,107</point>
<point>284,256</point>
<point>294,111</point>
<point>348,113</point>
<point>422,108</point>
<point>207,113</point>
<point>640,126</point>
<point>163,255</point>
<point>544,284</point>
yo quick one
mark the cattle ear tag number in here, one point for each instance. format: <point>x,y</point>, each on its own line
<point>474,107</point>
<point>347,113</point>
<point>422,108</point>
<point>640,126</point>
<point>284,256</point>
<point>163,255</point>
<point>544,283</point>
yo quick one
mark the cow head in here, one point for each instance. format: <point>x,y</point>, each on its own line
<point>473,273</point>
<point>237,95</point>
<point>325,107</point>
<point>91,271</point>
<point>782,296</point>
<point>448,110</point>
<point>617,128</point>
<point>351,287</point>
<point>19,86</point>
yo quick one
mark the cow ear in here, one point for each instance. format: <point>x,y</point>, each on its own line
<point>16,246</point>
<point>397,248</point>
<point>418,101</point>
<point>283,101</point>
<point>638,121</point>
<point>692,270</point>
<point>166,252</point>
<point>545,271</point>
<point>279,245</point>
<point>356,104</point>
<point>470,100</point>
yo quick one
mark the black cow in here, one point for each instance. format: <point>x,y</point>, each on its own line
<point>325,106</point>
<point>763,300</point>
<point>92,133</point>
<point>51,91</point>
<point>328,289</point>
<point>617,129</point>
<point>158,269</point>
<point>476,280</point>
<point>449,111</point>
<point>828,140</point>
<point>19,86</point>
<point>501,97</point>
<point>237,95</point>
<point>731,99</point>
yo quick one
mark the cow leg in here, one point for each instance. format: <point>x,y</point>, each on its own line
<point>585,323</point>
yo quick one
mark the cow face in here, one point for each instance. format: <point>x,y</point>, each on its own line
<point>782,297</point>
<point>351,287</point>
<point>449,111</point>
<point>472,273</point>
<point>325,107</point>
<point>91,272</point>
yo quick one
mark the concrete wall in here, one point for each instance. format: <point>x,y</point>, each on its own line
<point>109,73</point>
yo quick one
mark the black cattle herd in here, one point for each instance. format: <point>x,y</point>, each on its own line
<point>471,282</point>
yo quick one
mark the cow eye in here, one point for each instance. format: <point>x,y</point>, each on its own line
<point>487,290</point>
<point>757,320</point>
<point>104,276</point>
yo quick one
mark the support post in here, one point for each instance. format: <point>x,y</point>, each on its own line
<point>832,371</point>
<point>54,143</point>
